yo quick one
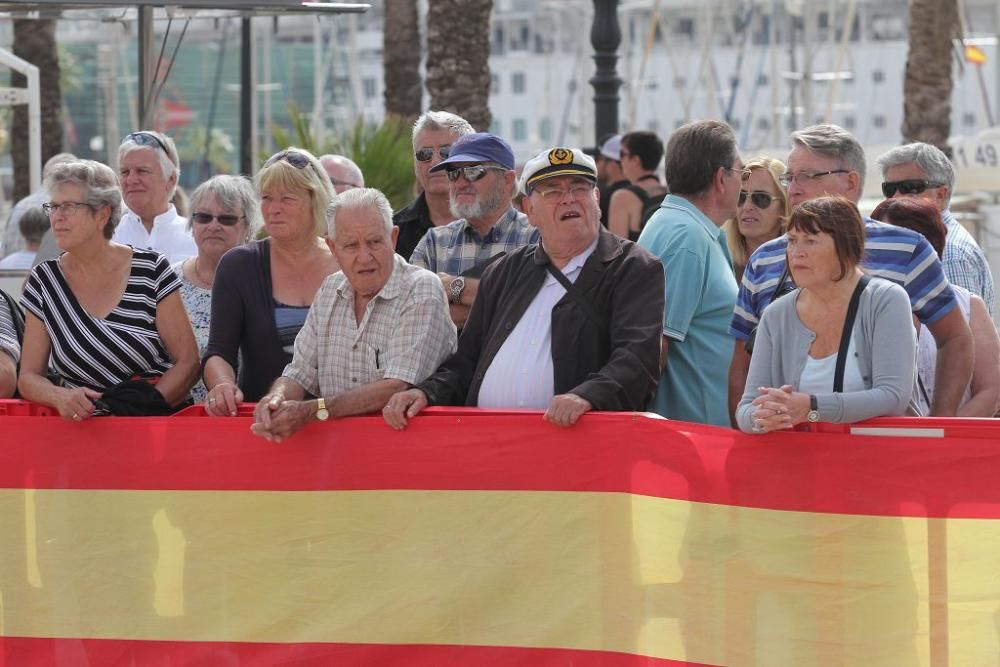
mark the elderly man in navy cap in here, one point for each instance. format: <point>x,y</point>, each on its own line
<point>566,325</point>
<point>480,169</point>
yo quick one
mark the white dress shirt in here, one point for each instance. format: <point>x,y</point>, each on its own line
<point>170,235</point>
<point>521,373</point>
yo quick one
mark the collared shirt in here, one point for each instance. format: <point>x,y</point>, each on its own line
<point>521,374</point>
<point>457,247</point>
<point>965,263</point>
<point>894,253</point>
<point>170,235</point>
<point>700,294</point>
<point>405,333</point>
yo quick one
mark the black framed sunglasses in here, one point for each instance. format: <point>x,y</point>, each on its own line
<point>907,187</point>
<point>147,139</point>
<point>226,220</point>
<point>425,154</point>
<point>759,199</point>
<point>472,174</point>
<point>294,158</point>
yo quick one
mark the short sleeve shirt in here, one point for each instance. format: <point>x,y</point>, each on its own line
<point>457,247</point>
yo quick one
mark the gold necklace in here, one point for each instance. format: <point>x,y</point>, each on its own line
<point>197,274</point>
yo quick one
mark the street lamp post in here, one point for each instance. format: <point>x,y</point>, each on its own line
<point>605,36</point>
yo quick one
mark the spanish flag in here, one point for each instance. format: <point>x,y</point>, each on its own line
<point>975,55</point>
<point>491,538</point>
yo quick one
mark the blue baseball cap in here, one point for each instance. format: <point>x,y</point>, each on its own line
<point>478,147</point>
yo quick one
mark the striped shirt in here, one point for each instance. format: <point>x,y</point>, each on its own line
<point>894,253</point>
<point>457,247</point>
<point>8,335</point>
<point>965,264</point>
<point>405,333</point>
<point>100,353</point>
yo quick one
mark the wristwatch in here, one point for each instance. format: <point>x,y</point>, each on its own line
<point>322,413</point>
<point>455,289</point>
<point>813,414</point>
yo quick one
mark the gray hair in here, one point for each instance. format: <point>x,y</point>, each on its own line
<point>930,159</point>
<point>834,142</point>
<point>346,163</point>
<point>441,120</point>
<point>358,198</point>
<point>233,193</point>
<point>99,181</point>
<point>169,161</point>
<point>58,158</point>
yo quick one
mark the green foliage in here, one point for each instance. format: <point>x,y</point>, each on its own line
<point>220,151</point>
<point>383,152</point>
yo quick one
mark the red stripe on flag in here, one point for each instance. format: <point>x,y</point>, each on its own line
<point>469,449</point>
<point>39,652</point>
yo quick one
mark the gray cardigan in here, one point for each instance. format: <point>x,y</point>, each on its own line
<point>885,346</point>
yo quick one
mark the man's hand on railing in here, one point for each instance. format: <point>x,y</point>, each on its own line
<point>276,418</point>
<point>565,409</point>
<point>402,407</point>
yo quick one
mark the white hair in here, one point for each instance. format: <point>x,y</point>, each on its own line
<point>441,120</point>
<point>358,198</point>
<point>169,161</point>
<point>834,142</point>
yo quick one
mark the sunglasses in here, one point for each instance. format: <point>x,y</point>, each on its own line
<point>294,158</point>
<point>908,187</point>
<point>226,220</point>
<point>472,174</point>
<point>425,154</point>
<point>147,139</point>
<point>761,200</point>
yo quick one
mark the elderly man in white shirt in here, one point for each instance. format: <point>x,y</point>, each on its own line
<point>148,169</point>
<point>376,327</point>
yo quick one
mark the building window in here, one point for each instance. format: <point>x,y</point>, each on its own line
<point>878,121</point>
<point>545,129</point>
<point>495,127</point>
<point>517,83</point>
<point>968,119</point>
<point>494,84</point>
<point>849,122</point>
<point>763,124</point>
<point>371,87</point>
<point>684,26</point>
<point>653,125</point>
<point>520,129</point>
<point>680,82</point>
<point>878,76</point>
<point>762,79</point>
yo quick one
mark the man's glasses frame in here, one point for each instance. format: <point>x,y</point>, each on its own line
<point>226,219</point>
<point>426,154</point>
<point>760,199</point>
<point>472,173</point>
<point>577,192</point>
<point>909,186</point>
<point>147,139</point>
<point>804,176</point>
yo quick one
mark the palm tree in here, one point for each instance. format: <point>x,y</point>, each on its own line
<point>458,53</point>
<point>401,61</point>
<point>927,83</point>
<point>35,41</point>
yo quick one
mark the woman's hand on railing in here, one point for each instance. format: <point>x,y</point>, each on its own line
<point>76,404</point>
<point>779,408</point>
<point>223,400</point>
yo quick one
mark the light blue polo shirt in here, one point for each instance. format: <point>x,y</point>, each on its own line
<point>700,296</point>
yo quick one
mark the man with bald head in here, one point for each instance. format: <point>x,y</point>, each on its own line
<point>344,173</point>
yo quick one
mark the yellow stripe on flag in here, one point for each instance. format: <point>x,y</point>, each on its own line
<point>975,55</point>
<point>665,578</point>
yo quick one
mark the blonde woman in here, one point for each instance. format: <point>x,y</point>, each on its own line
<point>762,214</point>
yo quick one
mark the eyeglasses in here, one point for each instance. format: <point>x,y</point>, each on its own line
<point>806,176</point>
<point>425,154</point>
<point>68,207</point>
<point>472,174</point>
<point>907,187</point>
<point>294,158</point>
<point>556,195</point>
<point>225,220</point>
<point>147,139</point>
<point>761,200</point>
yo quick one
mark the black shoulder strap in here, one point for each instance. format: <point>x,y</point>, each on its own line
<point>588,307</point>
<point>845,337</point>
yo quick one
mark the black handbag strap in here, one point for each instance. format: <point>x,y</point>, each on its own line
<point>588,307</point>
<point>845,337</point>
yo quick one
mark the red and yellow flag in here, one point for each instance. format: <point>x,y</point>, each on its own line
<point>975,55</point>
<point>494,539</point>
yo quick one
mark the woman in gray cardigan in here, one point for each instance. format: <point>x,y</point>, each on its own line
<point>791,378</point>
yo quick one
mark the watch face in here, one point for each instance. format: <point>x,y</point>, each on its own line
<point>812,416</point>
<point>322,414</point>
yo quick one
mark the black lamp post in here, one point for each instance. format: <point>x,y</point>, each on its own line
<point>605,36</point>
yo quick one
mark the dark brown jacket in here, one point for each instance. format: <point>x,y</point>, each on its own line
<point>614,367</point>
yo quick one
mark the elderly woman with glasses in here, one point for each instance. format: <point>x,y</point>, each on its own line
<point>762,214</point>
<point>262,290</point>
<point>225,213</point>
<point>101,314</point>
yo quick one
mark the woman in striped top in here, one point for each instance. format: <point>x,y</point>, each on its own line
<point>102,313</point>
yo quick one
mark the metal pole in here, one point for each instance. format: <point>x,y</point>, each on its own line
<point>606,37</point>
<point>147,69</point>
<point>248,116</point>
<point>30,95</point>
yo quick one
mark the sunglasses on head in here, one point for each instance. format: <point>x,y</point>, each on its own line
<point>294,158</point>
<point>761,200</point>
<point>471,174</point>
<point>425,154</point>
<point>907,187</point>
<point>147,139</point>
<point>227,220</point>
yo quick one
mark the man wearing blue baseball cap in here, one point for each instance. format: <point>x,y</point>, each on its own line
<point>480,169</point>
<point>566,325</point>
